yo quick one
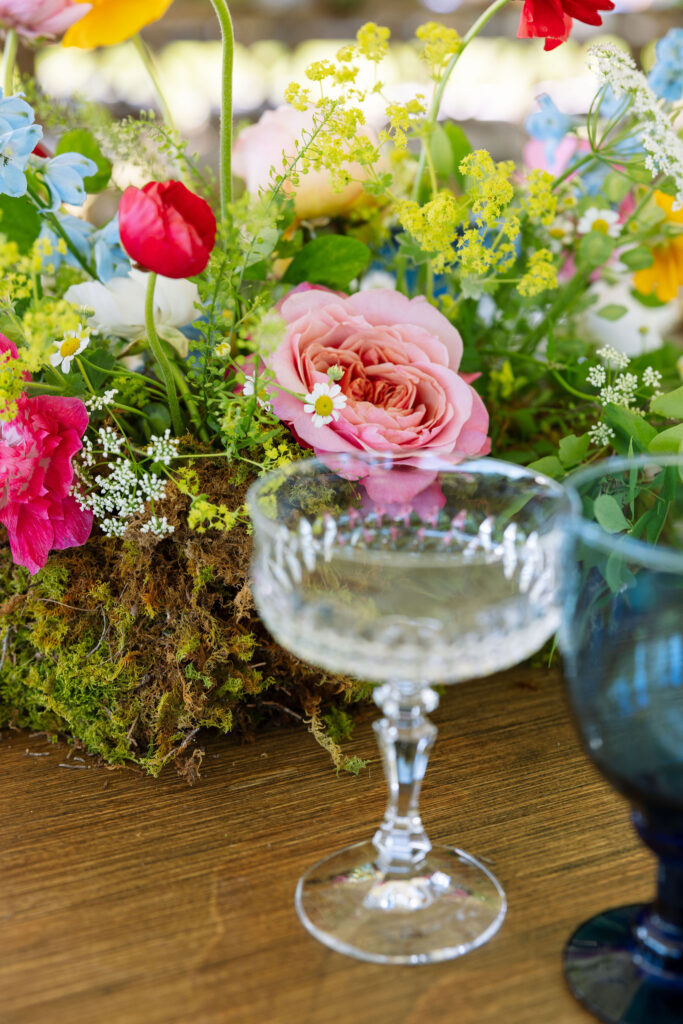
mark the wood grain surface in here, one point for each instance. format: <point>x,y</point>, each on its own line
<point>127,900</point>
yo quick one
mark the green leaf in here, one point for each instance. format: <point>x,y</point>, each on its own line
<point>617,573</point>
<point>629,428</point>
<point>573,450</point>
<point>608,513</point>
<point>670,440</point>
<point>550,466</point>
<point>331,260</point>
<point>79,140</point>
<point>612,312</point>
<point>19,222</point>
<point>99,364</point>
<point>650,301</point>
<point>616,187</point>
<point>460,147</point>
<point>442,153</point>
<point>638,258</point>
<point>669,405</point>
<point>160,417</point>
<point>594,249</point>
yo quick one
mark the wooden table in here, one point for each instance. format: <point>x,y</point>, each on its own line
<point>132,901</point>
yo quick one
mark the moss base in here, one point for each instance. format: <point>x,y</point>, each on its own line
<point>131,647</point>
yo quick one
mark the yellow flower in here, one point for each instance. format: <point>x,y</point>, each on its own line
<point>665,276</point>
<point>113,21</point>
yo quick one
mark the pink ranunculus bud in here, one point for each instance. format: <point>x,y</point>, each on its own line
<point>41,18</point>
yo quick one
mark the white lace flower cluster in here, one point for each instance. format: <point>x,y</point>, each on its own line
<point>162,449</point>
<point>124,492</point>
<point>97,403</point>
<point>663,146</point>
<point>620,388</point>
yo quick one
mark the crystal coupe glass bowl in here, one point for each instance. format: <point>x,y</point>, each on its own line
<point>405,575</point>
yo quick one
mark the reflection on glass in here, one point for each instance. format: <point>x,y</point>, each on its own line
<point>406,575</point>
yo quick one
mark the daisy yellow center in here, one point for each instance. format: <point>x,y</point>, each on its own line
<point>324,405</point>
<point>69,347</point>
<point>556,232</point>
<point>600,224</point>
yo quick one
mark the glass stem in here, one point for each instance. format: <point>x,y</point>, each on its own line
<point>660,932</point>
<point>406,737</point>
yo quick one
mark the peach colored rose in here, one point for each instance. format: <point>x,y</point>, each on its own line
<point>401,392</point>
<point>260,146</point>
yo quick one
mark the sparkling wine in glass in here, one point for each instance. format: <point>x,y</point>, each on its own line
<point>405,575</point>
<point>622,641</point>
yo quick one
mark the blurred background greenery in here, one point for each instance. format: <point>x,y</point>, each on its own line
<point>491,94</point>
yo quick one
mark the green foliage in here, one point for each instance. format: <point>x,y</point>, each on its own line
<point>80,140</point>
<point>331,260</point>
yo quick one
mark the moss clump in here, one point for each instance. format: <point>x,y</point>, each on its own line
<point>131,647</point>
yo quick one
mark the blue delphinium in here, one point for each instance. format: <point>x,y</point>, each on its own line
<point>110,258</point>
<point>18,138</point>
<point>548,125</point>
<point>64,176</point>
<point>55,252</point>
<point>666,77</point>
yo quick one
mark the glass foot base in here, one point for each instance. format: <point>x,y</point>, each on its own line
<point>603,974</point>
<point>439,909</point>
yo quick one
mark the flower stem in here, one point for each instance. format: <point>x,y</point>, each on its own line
<point>8,61</point>
<point>148,60</point>
<point>433,113</point>
<point>223,15</point>
<point>163,365</point>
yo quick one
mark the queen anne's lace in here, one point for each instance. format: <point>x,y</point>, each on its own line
<point>659,140</point>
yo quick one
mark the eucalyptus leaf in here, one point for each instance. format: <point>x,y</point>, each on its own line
<point>594,249</point>
<point>609,515</point>
<point>638,258</point>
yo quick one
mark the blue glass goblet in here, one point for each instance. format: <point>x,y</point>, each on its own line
<point>622,640</point>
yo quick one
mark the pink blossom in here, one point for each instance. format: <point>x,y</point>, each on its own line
<point>36,449</point>
<point>400,360</point>
<point>260,146</point>
<point>36,18</point>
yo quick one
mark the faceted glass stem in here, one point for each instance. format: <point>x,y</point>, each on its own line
<point>405,737</point>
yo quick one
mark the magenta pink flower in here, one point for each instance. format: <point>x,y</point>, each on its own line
<point>399,357</point>
<point>36,449</point>
<point>36,18</point>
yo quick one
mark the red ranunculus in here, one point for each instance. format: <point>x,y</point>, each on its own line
<point>552,19</point>
<point>167,229</point>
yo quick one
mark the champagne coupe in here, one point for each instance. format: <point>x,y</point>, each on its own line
<point>622,640</point>
<point>405,575</point>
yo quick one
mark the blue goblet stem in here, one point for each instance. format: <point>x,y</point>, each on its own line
<point>405,737</point>
<point>660,930</point>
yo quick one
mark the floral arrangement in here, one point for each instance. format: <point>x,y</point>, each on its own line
<point>347,283</point>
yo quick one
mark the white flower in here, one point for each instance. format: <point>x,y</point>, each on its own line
<point>324,402</point>
<point>601,434</point>
<point>561,233</point>
<point>377,279</point>
<point>71,345</point>
<point>249,390</point>
<point>652,379</point>
<point>119,307</point>
<point>597,376</point>
<point>604,221</point>
<point>641,329</point>
<point>612,356</point>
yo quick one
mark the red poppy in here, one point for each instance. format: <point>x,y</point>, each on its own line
<point>552,19</point>
<point>167,229</point>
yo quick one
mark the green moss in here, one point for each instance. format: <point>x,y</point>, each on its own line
<point>131,647</point>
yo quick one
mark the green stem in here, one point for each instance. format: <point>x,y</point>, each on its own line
<point>148,60</point>
<point>573,168</point>
<point>433,113</point>
<point>188,398</point>
<point>8,61</point>
<point>223,14</point>
<point>572,391</point>
<point>564,300</point>
<point>163,365</point>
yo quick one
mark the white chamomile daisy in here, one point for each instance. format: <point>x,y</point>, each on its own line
<point>249,389</point>
<point>71,345</point>
<point>324,402</point>
<point>604,221</point>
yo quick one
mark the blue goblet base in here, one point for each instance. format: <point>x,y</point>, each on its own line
<point>606,971</point>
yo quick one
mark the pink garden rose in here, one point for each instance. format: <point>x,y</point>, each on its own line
<point>401,392</point>
<point>35,18</point>
<point>260,146</point>
<point>36,449</point>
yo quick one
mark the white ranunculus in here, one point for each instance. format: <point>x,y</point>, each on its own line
<point>119,307</point>
<point>640,329</point>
